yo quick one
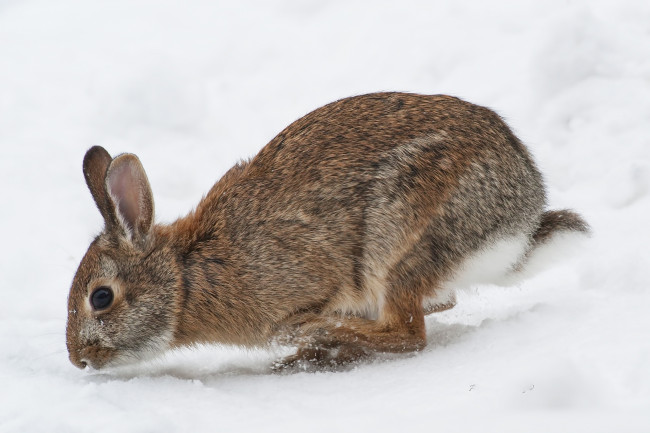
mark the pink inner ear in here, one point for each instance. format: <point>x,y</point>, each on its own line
<point>124,187</point>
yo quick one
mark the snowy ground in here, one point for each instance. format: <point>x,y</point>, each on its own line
<point>193,86</point>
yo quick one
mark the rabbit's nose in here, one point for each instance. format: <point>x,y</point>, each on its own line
<point>80,363</point>
<point>77,360</point>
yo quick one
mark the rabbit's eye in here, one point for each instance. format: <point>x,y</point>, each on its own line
<point>101,298</point>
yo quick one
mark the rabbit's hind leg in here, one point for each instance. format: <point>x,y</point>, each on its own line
<point>399,328</point>
<point>346,332</point>
<point>335,339</point>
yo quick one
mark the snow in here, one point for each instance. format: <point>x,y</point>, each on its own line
<point>191,87</point>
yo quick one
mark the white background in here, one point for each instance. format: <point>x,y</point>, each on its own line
<point>193,86</point>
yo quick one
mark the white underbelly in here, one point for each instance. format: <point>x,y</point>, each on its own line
<point>491,264</point>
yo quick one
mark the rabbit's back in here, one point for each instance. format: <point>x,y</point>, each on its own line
<point>371,188</point>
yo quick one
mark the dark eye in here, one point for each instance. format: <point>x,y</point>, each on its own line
<point>101,298</point>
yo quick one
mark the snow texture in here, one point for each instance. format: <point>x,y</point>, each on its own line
<point>193,86</point>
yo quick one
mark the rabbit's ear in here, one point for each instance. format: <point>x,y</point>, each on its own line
<point>128,189</point>
<point>95,166</point>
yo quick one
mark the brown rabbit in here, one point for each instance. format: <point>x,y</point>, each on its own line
<point>338,237</point>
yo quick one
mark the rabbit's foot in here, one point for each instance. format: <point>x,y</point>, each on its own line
<point>302,357</point>
<point>318,358</point>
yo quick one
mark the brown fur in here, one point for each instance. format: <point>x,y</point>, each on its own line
<point>331,238</point>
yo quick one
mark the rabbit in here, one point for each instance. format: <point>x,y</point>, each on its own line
<point>338,237</point>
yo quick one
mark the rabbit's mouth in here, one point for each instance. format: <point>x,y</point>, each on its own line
<point>96,357</point>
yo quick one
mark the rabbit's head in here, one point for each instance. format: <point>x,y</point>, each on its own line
<point>121,302</point>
